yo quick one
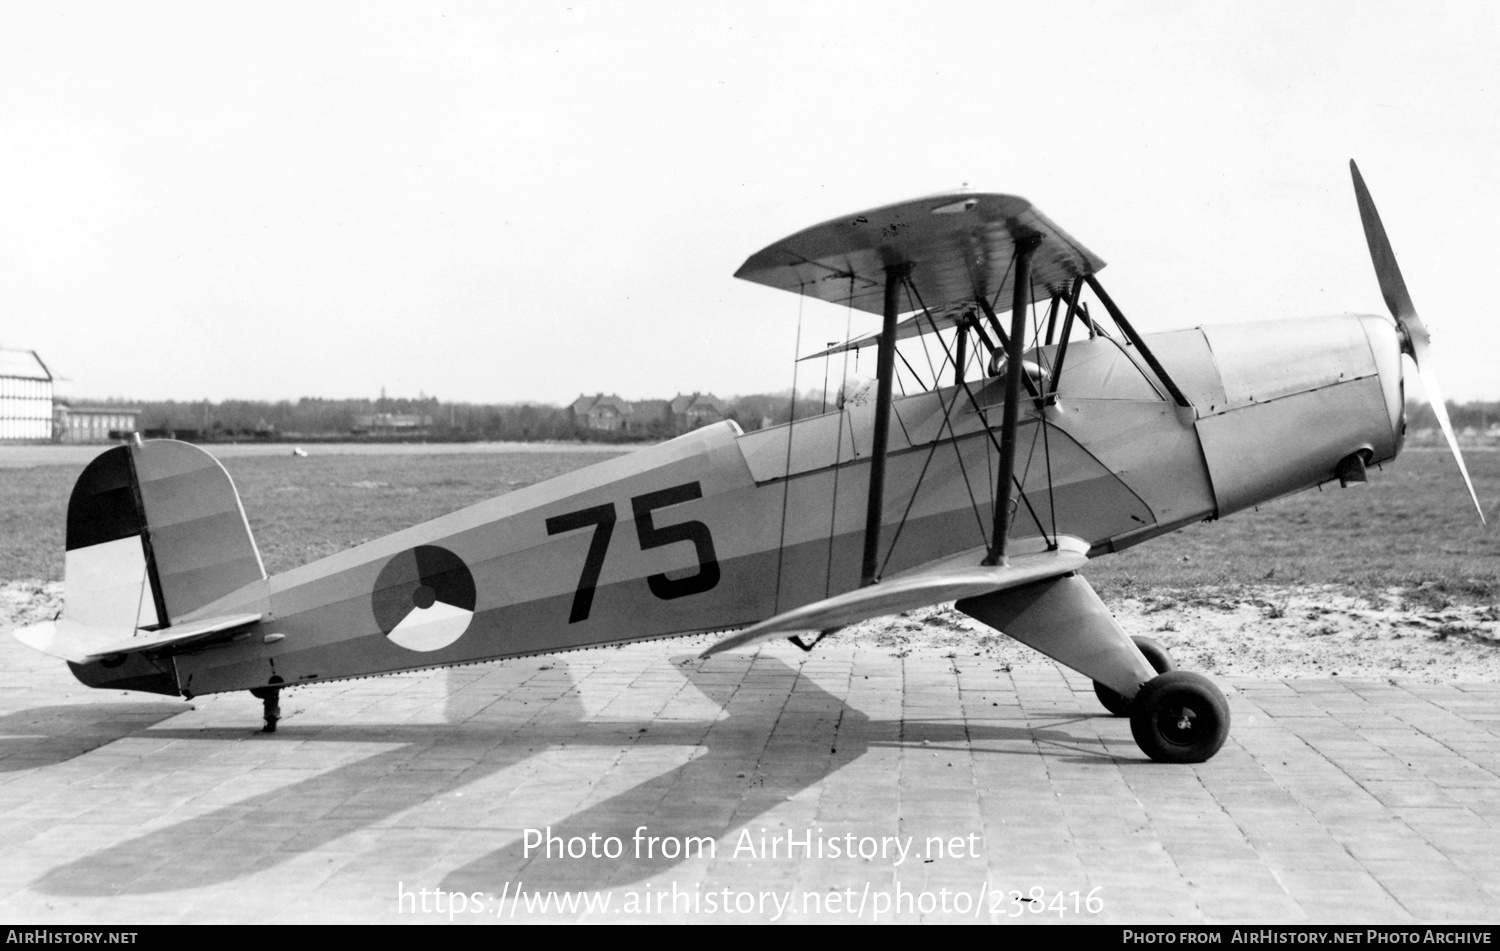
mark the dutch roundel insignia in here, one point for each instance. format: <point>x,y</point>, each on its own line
<point>424,598</point>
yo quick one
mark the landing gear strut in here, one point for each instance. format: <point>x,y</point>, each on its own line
<point>270,698</point>
<point>1160,661</point>
<point>1176,716</point>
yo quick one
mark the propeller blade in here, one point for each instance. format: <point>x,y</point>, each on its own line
<point>1435,398</point>
<point>1393,289</point>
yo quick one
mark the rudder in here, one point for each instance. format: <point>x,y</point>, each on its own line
<point>155,531</point>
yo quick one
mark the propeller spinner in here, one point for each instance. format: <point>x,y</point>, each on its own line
<point>1413,331</point>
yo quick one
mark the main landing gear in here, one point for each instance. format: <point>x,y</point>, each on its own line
<point>1178,716</point>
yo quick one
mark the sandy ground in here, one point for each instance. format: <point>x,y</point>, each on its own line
<point>1267,631</point>
<point>1275,632</point>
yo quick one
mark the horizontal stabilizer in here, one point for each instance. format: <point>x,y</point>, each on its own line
<point>62,638</point>
<point>80,643</point>
<point>908,592</point>
<point>188,634</point>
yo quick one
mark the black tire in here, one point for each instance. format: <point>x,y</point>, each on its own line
<point>1180,717</point>
<point>1160,661</point>
<point>1112,701</point>
<point>1155,653</point>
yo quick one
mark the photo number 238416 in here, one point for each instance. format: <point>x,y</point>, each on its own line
<point>650,535</point>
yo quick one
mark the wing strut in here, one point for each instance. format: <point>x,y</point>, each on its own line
<point>1025,247</point>
<point>1140,345</point>
<point>885,367</point>
<point>962,357</point>
<point>989,313</point>
<point>1067,329</point>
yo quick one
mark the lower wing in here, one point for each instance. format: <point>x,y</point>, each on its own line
<point>945,582</point>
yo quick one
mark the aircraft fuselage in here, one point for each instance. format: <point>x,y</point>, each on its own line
<point>719,529</point>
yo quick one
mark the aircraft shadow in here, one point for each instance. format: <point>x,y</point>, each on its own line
<point>745,770</point>
<point>46,736</point>
<point>731,781</point>
<point>267,828</point>
<point>780,734</point>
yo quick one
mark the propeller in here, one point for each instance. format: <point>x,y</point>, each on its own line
<point>1413,331</point>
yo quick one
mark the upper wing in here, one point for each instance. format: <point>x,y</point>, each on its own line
<point>959,244</point>
<point>915,590</point>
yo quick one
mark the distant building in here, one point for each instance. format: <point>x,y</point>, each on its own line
<point>77,424</point>
<point>700,409</point>
<point>610,414</point>
<point>659,418</point>
<point>581,406</point>
<point>25,396</point>
<point>393,424</point>
<point>606,414</point>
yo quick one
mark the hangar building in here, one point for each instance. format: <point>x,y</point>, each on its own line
<point>25,396</point>
<point>107,423</point>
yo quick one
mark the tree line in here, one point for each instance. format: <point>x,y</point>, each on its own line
<point>320,418</point>
<point>1478,415</point>
<point>424,417</point>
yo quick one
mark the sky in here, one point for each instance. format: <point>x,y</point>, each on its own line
<point>505,202</point>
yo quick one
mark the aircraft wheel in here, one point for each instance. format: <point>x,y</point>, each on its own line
<point>1180,717</point>
<point>1155,653</point>
<point>1160,661</point>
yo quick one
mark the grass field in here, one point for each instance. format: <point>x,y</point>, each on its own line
<point>300,509</point>
<point>1412,527</point>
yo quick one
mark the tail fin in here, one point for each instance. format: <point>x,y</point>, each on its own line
<point>155,531</point>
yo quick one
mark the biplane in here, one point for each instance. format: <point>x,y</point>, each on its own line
<point>1046,431</point>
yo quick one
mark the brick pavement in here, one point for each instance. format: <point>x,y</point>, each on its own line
<point>1334,801</point>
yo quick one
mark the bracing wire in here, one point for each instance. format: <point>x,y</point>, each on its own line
<point>791,426</point>
<point>947,425</point>
<point>140,604</point>
<point>963,470</point>
<point>1020,483</point>
<point>1037,348</point>
<point>996,299</point>
<point>838,452</point>
<point>993,443</point>
<point>912,498</point>
<point>917,377</point>
<point>1042,421</point>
